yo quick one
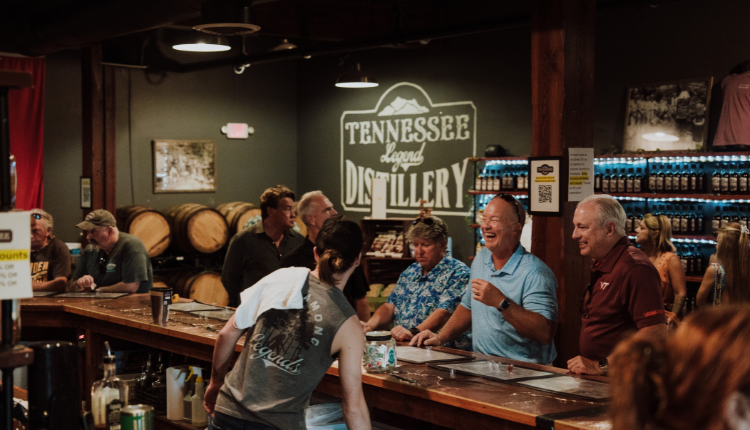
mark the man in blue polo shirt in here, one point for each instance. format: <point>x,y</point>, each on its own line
<point>512,304</point>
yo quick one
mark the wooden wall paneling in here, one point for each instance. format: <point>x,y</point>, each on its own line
<point>562,104</point>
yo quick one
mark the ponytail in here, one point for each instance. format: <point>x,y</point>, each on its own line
<point>639,395</point>
<point>330,264</point>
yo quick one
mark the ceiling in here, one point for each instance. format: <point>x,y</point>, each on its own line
<point>126,27</point>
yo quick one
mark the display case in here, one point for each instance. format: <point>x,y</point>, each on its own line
<point>383,263</point>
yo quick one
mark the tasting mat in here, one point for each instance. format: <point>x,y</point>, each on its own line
<point>482,368</point>
<point>44,293</point>
<point>221,315</point>
<point>193,306</point>
<point>412,354</point>
<point>569,385</point>
<point>90,295</point>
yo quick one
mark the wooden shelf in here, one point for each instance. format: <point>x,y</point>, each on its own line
<point>475,159</point>
<point>19,356</point>
<point>652,196</point>
<point>691,237</point>
<point>672,154</point>
<point>513,193</point>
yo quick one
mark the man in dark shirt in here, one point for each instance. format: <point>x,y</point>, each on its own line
<point>257,251</point>
<point>50,257</point>
<point>113,262</point>
<point>624,294</point>
<point>314,209</point>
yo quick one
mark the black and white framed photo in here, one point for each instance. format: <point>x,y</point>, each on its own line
<point>668,116</point>
<point>184,166</point>
<point>545,180</point>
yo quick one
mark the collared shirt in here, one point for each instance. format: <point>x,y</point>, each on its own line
<point>625,295</point>
<point>252,254</point>
<point>417,296</point>
<point>302,256</point>
<point>529,283</point>
<point>128,262</point>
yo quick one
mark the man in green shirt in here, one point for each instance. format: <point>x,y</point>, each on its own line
<point>113,261</point>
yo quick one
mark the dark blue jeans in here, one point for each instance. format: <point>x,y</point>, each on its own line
<point>226,422</point>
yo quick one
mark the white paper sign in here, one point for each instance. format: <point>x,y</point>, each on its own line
<point>15,244</point>
<point>544,186</point>
<point>379,191</point>
<point>580,173</point>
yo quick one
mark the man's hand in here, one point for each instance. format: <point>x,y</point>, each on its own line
<point>86,282</point>
<point>401,334</point>
<point>584,366</point>
<point>486,293</point>
<point>426,338</point>
<point>210,396</point>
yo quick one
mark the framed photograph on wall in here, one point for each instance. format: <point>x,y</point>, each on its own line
<point>184,166</point>
<point>85,192</point>
<point>669,116</point>
<point>545,180</point>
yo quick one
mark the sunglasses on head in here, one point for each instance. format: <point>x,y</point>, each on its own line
<point>37,216</point>
<point>425,221</point>
<point>510,199</point>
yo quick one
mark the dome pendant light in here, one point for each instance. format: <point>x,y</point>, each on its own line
<point>355,78</point>
<point>201,42</point>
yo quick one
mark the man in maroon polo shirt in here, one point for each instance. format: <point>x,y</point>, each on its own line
<point>625,291</point>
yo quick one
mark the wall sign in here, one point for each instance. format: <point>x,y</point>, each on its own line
<point>544,185</point>
<point>580,173</point>
<point>419,147</point>
<point>15,242</point>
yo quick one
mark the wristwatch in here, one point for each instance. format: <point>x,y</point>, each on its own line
<point>604,366</point>
<point>414,331</point>
<point>504,305</point>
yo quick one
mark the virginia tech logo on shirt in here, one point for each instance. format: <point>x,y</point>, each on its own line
<point>604,285</point>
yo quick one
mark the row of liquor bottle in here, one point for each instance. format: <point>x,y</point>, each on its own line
<point>692,259</point>
<point>689,219</point>
<point>503,175</point>
<point>726,178</point>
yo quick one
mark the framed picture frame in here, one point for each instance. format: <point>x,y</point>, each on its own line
<point>668,116</point>
<point>545,182</point>
<point>85,192</point>
<point>184,166</point>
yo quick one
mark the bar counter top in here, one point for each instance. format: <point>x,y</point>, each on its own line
<point>463,402</point>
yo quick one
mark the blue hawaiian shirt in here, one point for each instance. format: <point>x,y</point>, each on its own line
<point>417,296</point>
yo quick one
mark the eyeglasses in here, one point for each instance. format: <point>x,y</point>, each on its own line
<point>425,221</point>
<point>510,199</point>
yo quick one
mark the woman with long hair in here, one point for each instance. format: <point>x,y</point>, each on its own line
<point>697,379</point>
<point>655,239</point>
<point>726,279</point>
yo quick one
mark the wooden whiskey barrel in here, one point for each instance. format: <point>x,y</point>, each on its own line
<point>237,214</point>
<point>146,224</point>
<point>204,286</point>
<point>197,228</point>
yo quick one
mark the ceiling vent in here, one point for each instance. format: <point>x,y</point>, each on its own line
<point>226,18</point>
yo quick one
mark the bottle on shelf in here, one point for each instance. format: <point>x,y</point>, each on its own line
<point>743,179</point>
<point>734,179</point>
<point>605,182</point>
<point>621,180</point>
<point>716,222</point>
<point>638,182</point>
<point>693,188</point>
<point>716,180</point>
<point>683,259</point>
<point>478,183</point>
<point>685,180</point>
<point>700,227</point>
<point>735,214</point>
<point>727,217</point>
<point>668,179</point>
<point>693,221</point>
<point>519,181</point>
<point>597,177</point>
<point>496,182</point>
<point>743,217</point>
<point>629,181</point>
<point>199,418</point>
<point>108,395</point>
<point>725,178</point>
<point>676,221</point>
<point>660,179</point>
<point>685,220</point>
<point>698,263</point>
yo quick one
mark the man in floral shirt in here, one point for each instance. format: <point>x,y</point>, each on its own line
<point>428,291</point>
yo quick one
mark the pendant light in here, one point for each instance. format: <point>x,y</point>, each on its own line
<point>284,45</point>
<point>201,42</point>
<point>355,78</point>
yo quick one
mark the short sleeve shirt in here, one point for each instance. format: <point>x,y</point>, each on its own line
<point>50,262</point>
<point>417,296</point>
<point>302,256</point>
<point>128,262</point>
<point>251,256</point>
<point>625,295</point>
<point>529,283</point>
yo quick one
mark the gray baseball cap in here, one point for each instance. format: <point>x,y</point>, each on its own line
<point>97,218</point>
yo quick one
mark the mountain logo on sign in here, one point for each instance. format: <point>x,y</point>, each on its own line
<point>401,106</point>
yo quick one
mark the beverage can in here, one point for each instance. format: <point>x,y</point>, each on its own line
<point>137,417</point>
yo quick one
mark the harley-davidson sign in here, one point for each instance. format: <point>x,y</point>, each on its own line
<point>418,146</point>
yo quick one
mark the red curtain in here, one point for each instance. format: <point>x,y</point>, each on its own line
<point>26,123</point>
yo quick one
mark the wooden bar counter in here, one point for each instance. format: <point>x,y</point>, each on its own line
<point>463,402</point>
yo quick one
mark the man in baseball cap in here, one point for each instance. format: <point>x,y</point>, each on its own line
<point>112,261</point>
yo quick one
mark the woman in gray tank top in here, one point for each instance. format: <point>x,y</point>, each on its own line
<point>289,348</point>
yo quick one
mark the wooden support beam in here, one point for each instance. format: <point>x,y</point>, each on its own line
<point>562,73</point>
<point>99,149</point>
